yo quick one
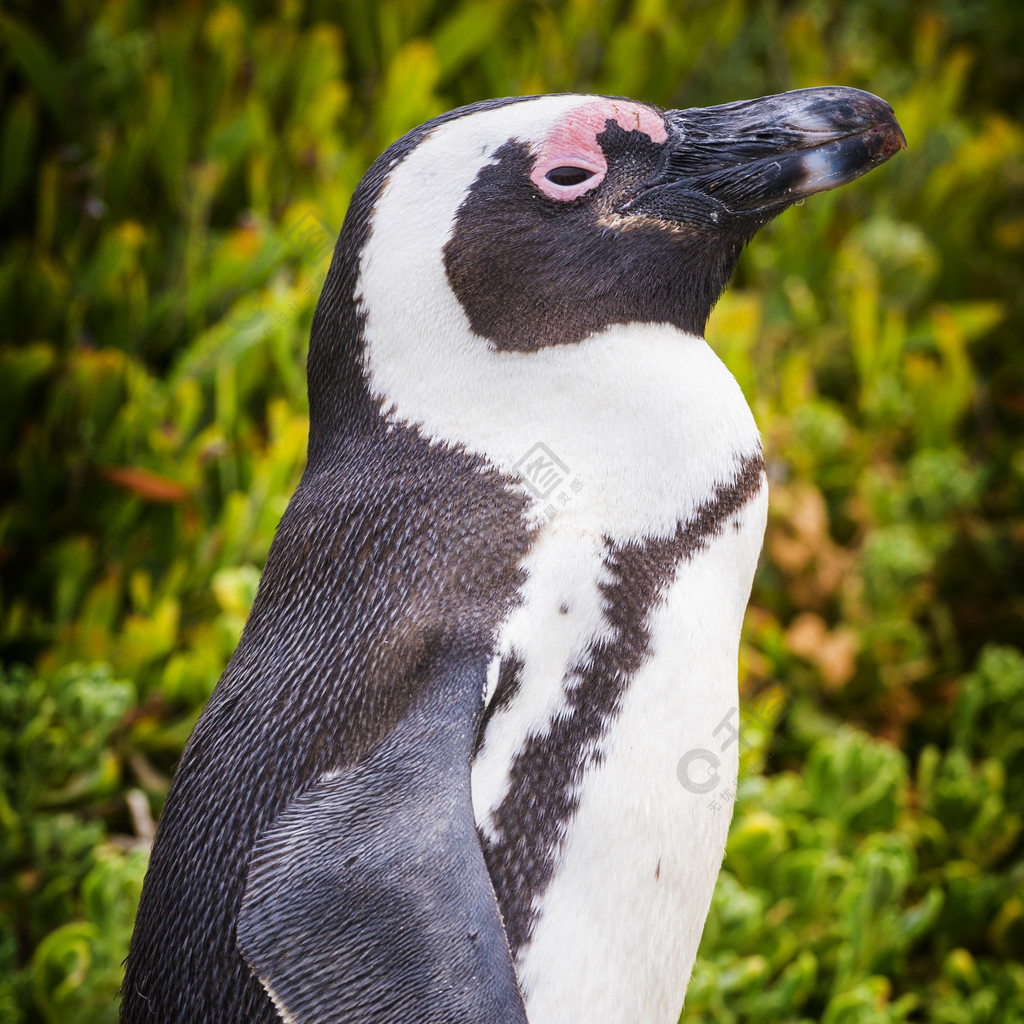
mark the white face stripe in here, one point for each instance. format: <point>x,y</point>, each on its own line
<point>645,416</point>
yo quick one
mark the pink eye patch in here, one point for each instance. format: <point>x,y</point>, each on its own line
<point>570,161</point>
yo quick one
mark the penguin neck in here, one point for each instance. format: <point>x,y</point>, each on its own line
<point>642,421</point>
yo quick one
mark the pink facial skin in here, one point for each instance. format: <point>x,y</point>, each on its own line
<point>573,143</point>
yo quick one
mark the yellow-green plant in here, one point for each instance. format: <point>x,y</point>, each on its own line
<point>171,181</point>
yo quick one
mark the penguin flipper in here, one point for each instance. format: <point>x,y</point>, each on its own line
<point>368,900</point>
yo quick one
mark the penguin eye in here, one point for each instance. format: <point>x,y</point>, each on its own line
<point>568,176</point>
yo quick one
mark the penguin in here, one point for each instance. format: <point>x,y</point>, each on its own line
<point>437,780</point>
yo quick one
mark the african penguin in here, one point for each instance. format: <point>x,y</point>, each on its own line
<point>437,781</point>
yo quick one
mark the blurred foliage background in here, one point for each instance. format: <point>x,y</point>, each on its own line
<point>171,179</point>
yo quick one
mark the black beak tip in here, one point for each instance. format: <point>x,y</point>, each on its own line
<point>897,134</point>
<point>846,133</point>
<point>880,117</point>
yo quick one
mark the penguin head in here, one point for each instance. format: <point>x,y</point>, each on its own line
<point>596,211</point>
<point>518,228</point>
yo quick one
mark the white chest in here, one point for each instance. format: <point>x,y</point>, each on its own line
<point>637,860</point>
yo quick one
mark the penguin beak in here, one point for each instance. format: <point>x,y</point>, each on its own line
<point>756,157</point>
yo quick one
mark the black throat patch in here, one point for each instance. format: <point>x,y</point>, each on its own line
<point>544,779</point>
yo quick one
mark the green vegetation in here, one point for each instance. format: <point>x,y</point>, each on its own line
<point>168,177</point>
